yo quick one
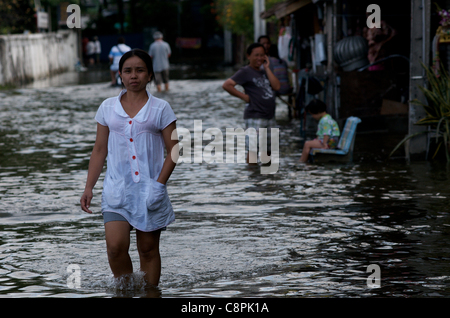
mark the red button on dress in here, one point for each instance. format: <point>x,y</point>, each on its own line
<point>136,173</point>
<point>134,157</point>
<point>131,139</point>
<point>130,122</point>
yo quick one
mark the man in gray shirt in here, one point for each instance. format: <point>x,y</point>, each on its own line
<point>160,53</point>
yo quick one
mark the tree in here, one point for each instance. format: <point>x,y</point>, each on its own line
<point>237,15</point>
<point>17,16</point>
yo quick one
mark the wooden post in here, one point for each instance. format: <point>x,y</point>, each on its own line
<point>334,29</point>
<point>420,48</point>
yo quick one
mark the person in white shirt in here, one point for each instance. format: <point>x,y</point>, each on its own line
<point>114,57</point>
<point>98,49</point>
<point>133,131</point>
<point>90,51</point>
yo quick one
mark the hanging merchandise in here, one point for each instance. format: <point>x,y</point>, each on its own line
<point>291,46</point>
<point>283,42</point>
<point>320,49</point>
<point>309,87</point>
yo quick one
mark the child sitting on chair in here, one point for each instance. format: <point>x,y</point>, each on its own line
<point>327,131</point>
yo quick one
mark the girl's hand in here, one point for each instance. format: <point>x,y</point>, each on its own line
<point>246,98</point>
<point>86,200</point>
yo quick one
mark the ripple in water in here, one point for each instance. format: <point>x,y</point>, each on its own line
<point>306,231</point>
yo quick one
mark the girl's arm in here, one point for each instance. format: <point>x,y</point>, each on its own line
<point>172,153</point>
<point>229,86</point>
<point>96,163</point>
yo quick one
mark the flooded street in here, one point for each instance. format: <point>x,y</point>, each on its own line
<point>306,231</point>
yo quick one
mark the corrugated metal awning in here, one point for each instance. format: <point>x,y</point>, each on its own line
<point>284,8</point>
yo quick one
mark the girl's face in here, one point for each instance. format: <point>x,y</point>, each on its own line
<point>257,57</point>
<point>134,74</point>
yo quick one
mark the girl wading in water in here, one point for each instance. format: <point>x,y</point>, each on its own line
<point>132,131</point>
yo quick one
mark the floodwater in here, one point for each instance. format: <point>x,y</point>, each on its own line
<point>306,231</point>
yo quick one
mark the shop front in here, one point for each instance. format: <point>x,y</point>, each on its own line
<point>371,73</point>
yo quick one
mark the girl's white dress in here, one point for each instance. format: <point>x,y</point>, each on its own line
<point>135,159</point>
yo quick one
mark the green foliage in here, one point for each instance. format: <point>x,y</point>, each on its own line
<point>16,16</point>
<point>437,96</point>
<point>437,108</point>
<point>237,15</point>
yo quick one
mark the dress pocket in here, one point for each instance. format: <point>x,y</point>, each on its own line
<point>157,195</point>
<point>114,192</point>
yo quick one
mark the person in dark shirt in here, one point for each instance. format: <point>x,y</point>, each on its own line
<point>259,85</point>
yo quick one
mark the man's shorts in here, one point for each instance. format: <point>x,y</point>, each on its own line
<point>253,143</point>
<point>162,77</point>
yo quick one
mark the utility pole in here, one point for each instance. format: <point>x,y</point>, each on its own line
<point>259,24</point>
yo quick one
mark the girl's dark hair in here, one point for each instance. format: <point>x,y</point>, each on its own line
<point>254,46</point>
<point>316,106</point>
<point>143,56</point>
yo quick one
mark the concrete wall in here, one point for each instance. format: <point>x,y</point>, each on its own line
<point>25,58</point>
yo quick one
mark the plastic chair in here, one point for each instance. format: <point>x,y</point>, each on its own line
<point>344,149</point>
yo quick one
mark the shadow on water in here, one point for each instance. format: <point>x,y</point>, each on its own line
<point>306,231</point>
